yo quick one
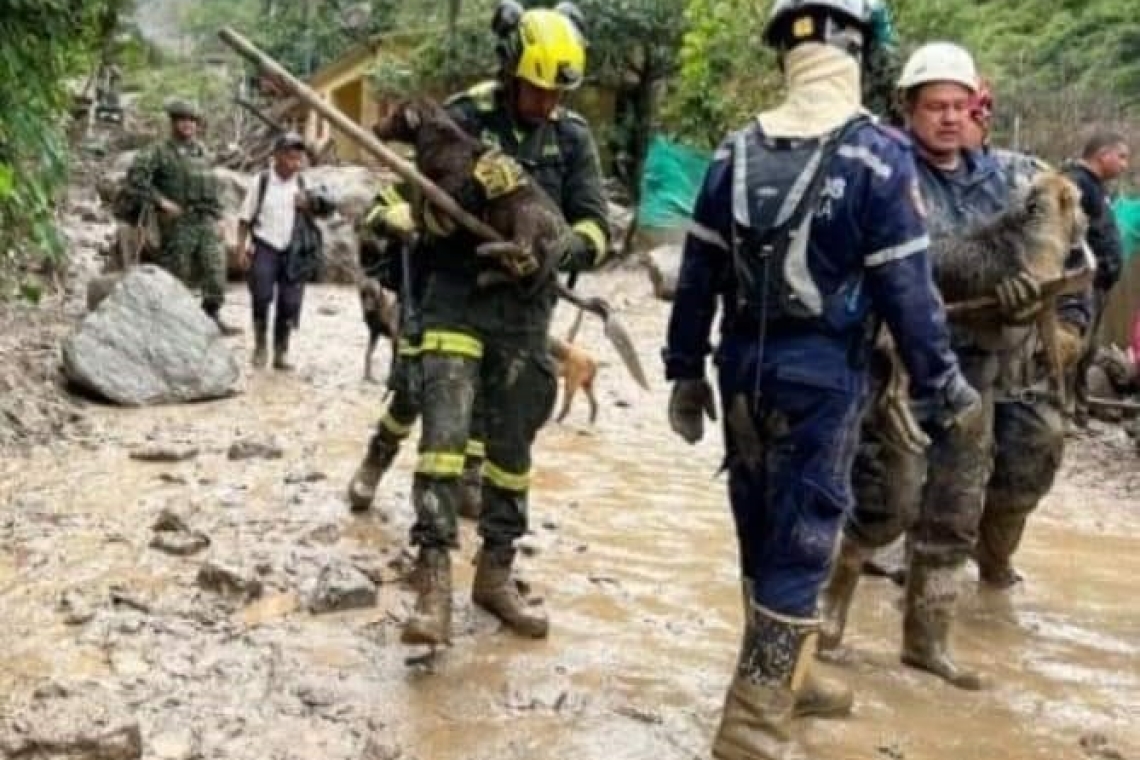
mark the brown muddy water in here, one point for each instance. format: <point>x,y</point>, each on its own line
<point>631,549</point>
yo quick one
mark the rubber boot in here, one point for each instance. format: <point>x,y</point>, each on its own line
<point>379,457</point>
<point>760,701</point>
<point>430,623</point>
<point>839,591</point>
<point>494,590</point>
<point>213,311</point>
<point>931,595</point>
<point>471,488</point>
<point>281,353</point>
<point>261,347</point>
<point>999,535</point>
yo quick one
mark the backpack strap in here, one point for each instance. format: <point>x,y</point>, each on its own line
<point>262,186</point>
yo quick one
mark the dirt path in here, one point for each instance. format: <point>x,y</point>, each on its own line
<point>631,548</point>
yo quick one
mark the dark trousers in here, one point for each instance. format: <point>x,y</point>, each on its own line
<point>267,279</point>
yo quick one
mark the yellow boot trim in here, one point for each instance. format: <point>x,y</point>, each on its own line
<point>593,232</point>
<point>476,448</point>
<point>440,464</point>
<point>508,481</point>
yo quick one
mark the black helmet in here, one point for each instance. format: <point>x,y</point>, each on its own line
<point>289,141</point>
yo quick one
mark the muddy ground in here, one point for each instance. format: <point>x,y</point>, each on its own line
<point>630,547</point>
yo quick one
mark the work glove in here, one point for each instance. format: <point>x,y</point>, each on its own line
<point>579,253</point>
<point>956,404</point>
<point>390,213</point>
<point>497,174</point>
<point>1019,297</point>
<point>689,402</point>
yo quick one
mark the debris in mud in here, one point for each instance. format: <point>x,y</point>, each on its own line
<point>83,721</point>
<point>340,587</point>
<point>374,750</point>
<point>122,597</point>
<point>176,744</point>
<point>326,535</point>
<point>1097,746</point>
<point>173,536</point>
<point>640,714</point>
<point>77,608</point>
<point>891,751</point>
<point>229,581</point>
<point>298,478</point>
<point>242,450</point>
<point>165,453</point>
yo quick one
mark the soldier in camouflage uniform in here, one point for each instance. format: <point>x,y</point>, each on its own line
<point>175,177</point>
<point>493,340</point>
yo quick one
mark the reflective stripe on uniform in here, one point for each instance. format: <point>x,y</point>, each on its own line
<point>406,348</point>
<point>896,252</point>
<point>593,232</point>
<point>862,154</point>
<point>394,426</point>
<point>445,342</point>
<point>476,448</point>
<point>706,235</point>
<point>440,464</point>
<point>508,481</point>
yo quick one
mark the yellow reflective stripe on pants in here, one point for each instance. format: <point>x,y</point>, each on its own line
<point>593,232</point>
<point>394,426</point>
<point>440,464</point>
<point>405,348</point>
<point>476,448</point>
<point>445,342</point>
<point>508,481</point>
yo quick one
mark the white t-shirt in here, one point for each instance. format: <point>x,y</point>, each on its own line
<point>274,223</point>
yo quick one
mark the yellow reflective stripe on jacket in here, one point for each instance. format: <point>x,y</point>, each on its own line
<point>448,342</point>
<point>593,232</point>
<point>407,348</point>
<point>440,464</point>
<point>508,481</point>
<point>394,426</point>
<point>476,448</point>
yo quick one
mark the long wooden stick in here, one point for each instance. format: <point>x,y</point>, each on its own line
<point>338,119</point>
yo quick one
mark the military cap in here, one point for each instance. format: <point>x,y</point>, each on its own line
<point>178,108</point>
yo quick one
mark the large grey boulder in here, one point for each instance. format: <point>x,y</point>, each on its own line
<point>149,342</point>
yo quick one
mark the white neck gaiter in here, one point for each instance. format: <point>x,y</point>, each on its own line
<point>823,92</point>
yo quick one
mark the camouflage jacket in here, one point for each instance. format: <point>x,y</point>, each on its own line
<point>179,171</point>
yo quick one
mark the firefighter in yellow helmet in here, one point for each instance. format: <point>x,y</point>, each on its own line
<point>491,341</point>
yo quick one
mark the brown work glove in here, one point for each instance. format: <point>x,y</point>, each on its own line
<point>1019,297</point>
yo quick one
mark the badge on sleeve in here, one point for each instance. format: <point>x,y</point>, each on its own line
<point>916,199</point>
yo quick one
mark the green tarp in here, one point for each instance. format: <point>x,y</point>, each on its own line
<point>669,183</point>
<point>1127,213</point>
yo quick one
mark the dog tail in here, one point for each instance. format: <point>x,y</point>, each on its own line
<point>577,324</point>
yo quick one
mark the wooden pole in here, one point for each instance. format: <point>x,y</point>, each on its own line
<point>336,117</point>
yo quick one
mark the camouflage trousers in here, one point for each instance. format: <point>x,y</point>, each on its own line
<point>518,389</point>
<point>192,252</point>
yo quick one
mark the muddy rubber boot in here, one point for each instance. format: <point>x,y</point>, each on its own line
<point>362,488</point>
<point>281,353</point>
<point>430,623</point>
<point>758,707</point>
<point>820,696</point>
<point>999,535</point>
<point>471,489</point>
<point>494,590</point>
<point>931,595</point>
<point>839,591</point>
<point>261,346</point>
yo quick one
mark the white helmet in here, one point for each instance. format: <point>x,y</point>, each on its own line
<point>858,11</point>
<point>939,62</point>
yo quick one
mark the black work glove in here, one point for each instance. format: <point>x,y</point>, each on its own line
<point>579,253</point>
<point>689,402</point>
<point>955,404</point>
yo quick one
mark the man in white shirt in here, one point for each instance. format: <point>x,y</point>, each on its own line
<point>268,242</point>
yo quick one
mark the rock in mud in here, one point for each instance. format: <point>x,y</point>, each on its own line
<point>173,536</point>
<point>83,721</point>
<point>340,587</point>
<point>149,342</point>
<point>229,581</point>
<point>242,450</point>
<point>76,607</point>
<point>664,266</point>
<point>164,453</point>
